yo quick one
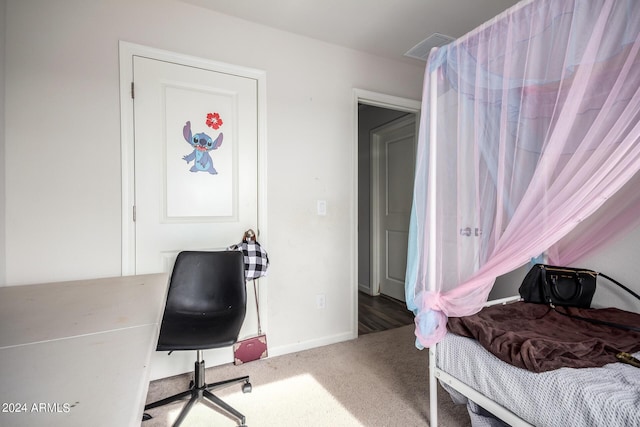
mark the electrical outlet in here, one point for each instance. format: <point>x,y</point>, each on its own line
<point>321,302</point>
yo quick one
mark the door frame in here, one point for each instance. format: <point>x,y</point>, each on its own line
<point>376,181</point>
<point>126,53</point>
<point>376,99</point>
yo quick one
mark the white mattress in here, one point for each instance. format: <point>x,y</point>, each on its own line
<point>607,396</point>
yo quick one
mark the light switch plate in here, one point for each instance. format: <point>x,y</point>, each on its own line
<point>322,207</point>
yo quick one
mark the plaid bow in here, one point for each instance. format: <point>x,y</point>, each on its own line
<point>256,260</point>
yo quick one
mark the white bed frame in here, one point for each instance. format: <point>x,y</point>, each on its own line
<point>485,402</point>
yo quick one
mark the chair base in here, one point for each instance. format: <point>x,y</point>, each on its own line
<point>199,390</point>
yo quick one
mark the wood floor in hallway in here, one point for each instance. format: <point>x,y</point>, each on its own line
<point>379,313</point>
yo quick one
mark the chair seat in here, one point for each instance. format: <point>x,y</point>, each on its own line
<point>189,332</point>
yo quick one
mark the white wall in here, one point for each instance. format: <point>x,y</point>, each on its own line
<point>63,147</point>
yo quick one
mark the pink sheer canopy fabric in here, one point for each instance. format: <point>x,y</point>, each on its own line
<point>530,127</point>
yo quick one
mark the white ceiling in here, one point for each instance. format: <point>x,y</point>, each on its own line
<point>387,28</point>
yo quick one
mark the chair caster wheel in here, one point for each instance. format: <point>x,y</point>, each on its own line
<point>246,388</point>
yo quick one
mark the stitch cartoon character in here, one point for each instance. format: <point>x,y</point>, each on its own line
<point>202,144</point>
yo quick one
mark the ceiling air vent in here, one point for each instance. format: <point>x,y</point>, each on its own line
<point>422,49</point>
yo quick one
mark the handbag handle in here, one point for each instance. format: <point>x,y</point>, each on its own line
<point>255,290</point>
<point>555,290</point>
<point>620,284</point>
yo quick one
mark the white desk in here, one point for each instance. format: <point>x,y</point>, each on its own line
<point>77,353</point>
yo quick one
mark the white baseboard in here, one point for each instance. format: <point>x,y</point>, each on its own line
<point>307,345</point>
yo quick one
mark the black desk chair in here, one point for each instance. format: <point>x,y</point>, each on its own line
<point>205,309</point>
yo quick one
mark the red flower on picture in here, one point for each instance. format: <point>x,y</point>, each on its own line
<point>214,120</point>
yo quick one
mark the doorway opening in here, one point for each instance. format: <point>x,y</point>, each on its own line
<point>386,135</point>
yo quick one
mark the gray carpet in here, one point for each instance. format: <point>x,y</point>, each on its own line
<point>379,379</point>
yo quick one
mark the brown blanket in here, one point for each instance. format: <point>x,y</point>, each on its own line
<point>536,338</point>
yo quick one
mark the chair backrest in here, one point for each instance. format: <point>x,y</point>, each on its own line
<point>206,301</point>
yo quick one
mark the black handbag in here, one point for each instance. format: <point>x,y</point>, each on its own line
<point>567,287</point>
<point>563,286</point>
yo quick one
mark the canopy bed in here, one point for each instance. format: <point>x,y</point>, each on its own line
<point>529,146</point>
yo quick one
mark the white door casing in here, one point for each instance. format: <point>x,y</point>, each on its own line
<point>394,147</point>
<point>183,198</point>
<point>361,96</point>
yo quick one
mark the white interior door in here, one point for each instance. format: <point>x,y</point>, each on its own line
<point>395,144</point>
<point>196,168</point>
<point>195,160</point>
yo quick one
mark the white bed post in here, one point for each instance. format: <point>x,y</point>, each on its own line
<point>433,98</point>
